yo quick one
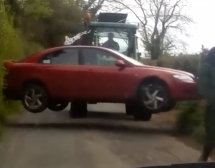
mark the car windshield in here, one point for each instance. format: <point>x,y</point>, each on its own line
<point>129,59</point>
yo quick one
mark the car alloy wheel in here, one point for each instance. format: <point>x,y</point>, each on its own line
<point>33,99</point>
<point>153,98</point>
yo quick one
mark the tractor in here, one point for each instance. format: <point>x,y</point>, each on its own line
<point>97,32</point>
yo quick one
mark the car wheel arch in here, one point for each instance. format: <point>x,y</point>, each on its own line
<point>33,81</point>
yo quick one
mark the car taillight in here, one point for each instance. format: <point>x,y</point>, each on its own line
<point>8,64</point>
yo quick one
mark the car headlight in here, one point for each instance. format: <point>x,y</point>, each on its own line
<point>184,78</point>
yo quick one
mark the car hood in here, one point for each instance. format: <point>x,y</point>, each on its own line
<point>169,70</point>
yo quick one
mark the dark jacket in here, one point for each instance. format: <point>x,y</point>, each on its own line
<point>206,82</point>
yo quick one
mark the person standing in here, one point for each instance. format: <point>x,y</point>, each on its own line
<point>206,88</point>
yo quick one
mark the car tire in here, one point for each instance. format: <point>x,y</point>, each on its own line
<point>141,114</point>
<point>30,94</point>
<point>153,96</point>
<point>78,109</point>
<point>58,106</point>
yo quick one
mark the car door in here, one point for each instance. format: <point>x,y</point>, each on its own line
<point>63,73</point>
<point>105,81</point>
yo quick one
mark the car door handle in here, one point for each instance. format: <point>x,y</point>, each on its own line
<point>90,70</point>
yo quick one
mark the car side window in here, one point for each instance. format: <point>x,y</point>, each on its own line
<point>65,57</point>
<point>98,57</point>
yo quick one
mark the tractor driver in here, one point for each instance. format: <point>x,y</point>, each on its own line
<point>110,43</point>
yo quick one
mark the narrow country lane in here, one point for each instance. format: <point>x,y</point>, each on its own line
<point>104,140</point>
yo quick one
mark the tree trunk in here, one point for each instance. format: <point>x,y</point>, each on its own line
<point>155,49</point>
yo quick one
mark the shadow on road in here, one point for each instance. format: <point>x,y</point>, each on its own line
<point>109,122</point>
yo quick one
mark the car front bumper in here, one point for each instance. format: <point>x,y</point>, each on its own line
<point>184,91</point>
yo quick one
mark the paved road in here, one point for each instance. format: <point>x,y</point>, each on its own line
<point>52,140</point>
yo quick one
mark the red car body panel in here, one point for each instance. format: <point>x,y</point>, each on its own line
<point>92,83</point>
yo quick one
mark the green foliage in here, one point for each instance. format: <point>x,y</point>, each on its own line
<point>190,120</point>
<point>199,133</point>
<point>37,9</point>
<point>184,62</point>
<point>189,63</point>
<point>48,21</point>
<point>188,117</point>
<point>13,46</point>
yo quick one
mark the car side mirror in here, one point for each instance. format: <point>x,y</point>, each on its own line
<point>120,63</point>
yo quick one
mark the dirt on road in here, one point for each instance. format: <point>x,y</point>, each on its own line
<point>53,140</point>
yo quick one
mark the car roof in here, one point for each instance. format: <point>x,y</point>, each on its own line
<point>76,46</point>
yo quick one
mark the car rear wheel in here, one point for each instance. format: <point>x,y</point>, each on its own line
<point>153,96</point>
<point>78,109</point>
<point>34,98</point>
<point>58,106</point>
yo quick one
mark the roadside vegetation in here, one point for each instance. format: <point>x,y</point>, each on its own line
<point>11,47</point>
<point>190,120</point>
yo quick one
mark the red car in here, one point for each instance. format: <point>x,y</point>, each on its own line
<point>88,74</point>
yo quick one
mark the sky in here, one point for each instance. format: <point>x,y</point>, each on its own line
<point>202,32</point>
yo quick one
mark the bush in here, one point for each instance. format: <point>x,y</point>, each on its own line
<point>12,46</point>
<point>188,117</point>
<point>189,63</point>
<point>199,133</point>
<point>190,120</point>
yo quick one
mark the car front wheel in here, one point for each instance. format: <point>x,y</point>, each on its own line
<point>153,96</point>
<point>34,98</point>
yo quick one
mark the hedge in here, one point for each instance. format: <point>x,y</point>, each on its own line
<point>13,46</point>
<point>190,120</point>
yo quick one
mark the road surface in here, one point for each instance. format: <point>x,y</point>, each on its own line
<point>53,140</point>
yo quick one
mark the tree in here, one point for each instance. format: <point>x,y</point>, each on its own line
<point>35,9</point>
<point>92,6</point>
<point>48,21</point>
<point>157,19</point>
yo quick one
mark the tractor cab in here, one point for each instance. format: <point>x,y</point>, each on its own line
<point>111,31</point>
